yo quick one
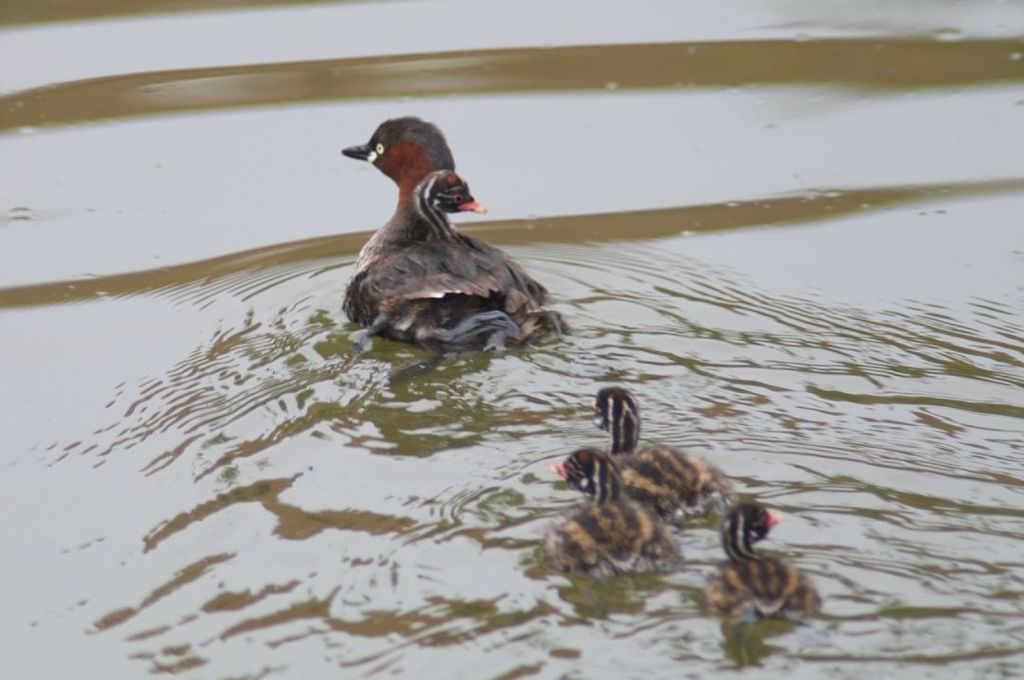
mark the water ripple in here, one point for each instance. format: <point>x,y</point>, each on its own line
<point>890,436</point>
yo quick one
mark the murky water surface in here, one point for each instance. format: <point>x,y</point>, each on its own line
<point>793,229</point>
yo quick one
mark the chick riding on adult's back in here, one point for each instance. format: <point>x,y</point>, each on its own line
<point>418,279</point>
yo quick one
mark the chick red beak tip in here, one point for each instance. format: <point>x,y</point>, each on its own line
<point>473,206</point>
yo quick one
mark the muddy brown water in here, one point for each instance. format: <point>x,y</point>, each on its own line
<point>793,229</point>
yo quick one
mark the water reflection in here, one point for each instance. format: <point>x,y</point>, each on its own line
<point>877,63</point>
<point>747,644</point>
<point>247,273</point>
<point>782,392</point>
